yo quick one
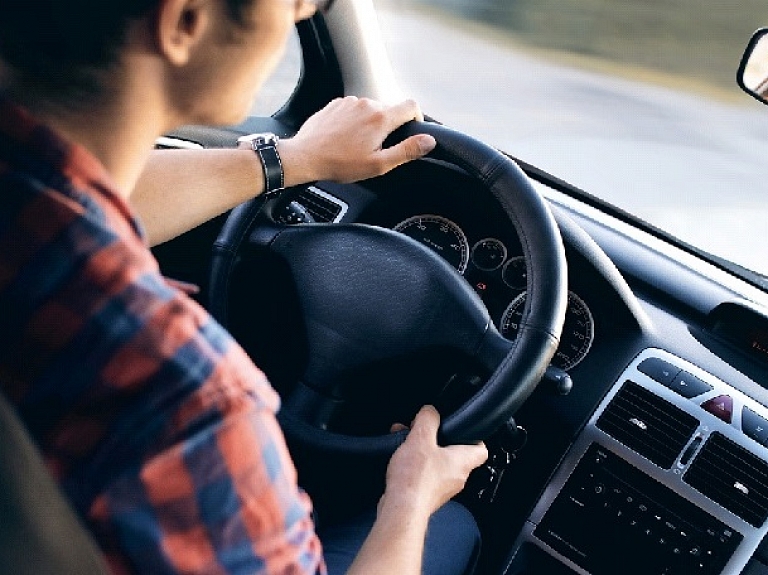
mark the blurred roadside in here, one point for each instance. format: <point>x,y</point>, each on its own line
<point>684,153</point>
<point>689,44</point>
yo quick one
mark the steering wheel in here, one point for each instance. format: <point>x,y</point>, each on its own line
<point>413,301</point>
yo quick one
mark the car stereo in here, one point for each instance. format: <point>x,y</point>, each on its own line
<point>670,476</point>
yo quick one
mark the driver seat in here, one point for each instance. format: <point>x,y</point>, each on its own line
<point>39,532</point>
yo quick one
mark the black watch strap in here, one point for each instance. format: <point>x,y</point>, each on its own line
<point>265,147</point>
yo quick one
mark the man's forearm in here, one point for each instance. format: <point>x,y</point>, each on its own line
<point>181,189</point>
<point>394,545</point>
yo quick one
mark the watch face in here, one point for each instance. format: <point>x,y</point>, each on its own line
<point>255,140</point>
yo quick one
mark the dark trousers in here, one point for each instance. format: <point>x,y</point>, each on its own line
<point>451,548</point>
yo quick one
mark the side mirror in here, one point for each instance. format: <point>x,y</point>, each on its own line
<point>753,71</point>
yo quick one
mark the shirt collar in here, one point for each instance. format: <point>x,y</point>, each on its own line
<point>23,137</point>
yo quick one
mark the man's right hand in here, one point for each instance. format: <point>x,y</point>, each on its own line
<point>343,142</point>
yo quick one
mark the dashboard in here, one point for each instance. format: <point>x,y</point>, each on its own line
<point>667,471</point>
<point>656,462</point>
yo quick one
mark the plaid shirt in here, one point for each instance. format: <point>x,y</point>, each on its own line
<point>156,424</point>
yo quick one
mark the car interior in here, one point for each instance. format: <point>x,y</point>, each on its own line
<point>619,377</point>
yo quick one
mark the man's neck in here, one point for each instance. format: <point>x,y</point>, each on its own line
<point>119,130</point>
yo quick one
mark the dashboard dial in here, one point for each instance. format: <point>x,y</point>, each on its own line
<point>578,331</point>
<point>514,273</point>
<point>439,234</point>
<point>489,254</point>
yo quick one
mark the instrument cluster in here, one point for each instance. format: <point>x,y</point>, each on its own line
<point>497,272</point>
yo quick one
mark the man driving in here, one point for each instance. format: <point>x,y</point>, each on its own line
<point>156,424</point>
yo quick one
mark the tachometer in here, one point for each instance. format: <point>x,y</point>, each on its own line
<point>489,254</point>
<point>439,234</point>
<point>578,331</point>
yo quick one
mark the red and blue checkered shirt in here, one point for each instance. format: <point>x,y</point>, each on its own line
<point>156,424</point>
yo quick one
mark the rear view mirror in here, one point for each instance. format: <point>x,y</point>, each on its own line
<point>753,71</point>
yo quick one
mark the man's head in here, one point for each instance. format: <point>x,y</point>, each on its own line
<point>67,53</point>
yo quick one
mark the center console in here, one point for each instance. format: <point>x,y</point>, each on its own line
<point>670,476</point>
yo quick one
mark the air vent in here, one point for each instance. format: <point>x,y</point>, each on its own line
<point>733,477</point>
<point>323,207</point>
<point>648,424</point>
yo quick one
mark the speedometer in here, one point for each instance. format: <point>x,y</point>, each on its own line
<point>439,234</point>
<point>578,330</point>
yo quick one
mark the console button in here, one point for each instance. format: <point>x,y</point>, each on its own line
<point>688,385</point>
<point>658,369</point>
<point>720,406</point>
<point>754,426</point>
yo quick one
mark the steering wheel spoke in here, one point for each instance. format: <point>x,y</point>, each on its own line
<point>312,406</point>
<point>494,349</point>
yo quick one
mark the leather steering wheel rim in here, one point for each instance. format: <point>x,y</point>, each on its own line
<point>522,363</point>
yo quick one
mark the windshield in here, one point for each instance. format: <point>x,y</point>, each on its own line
<point>635,102</point>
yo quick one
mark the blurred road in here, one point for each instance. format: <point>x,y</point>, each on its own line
<point>691,165</point>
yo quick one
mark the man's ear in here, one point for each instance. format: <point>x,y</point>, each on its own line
<point>181,26</point>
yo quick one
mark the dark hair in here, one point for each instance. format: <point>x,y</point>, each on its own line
<point>58,48</point>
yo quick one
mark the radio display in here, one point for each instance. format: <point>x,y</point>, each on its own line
<point>744,328</point>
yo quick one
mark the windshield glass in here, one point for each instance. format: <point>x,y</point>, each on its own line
<point>635,102</point>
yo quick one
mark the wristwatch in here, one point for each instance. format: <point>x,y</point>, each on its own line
<point>265,147</point>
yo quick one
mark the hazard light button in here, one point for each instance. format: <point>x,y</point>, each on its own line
<point>720,406</point>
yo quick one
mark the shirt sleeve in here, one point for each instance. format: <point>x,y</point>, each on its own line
<point>155,422</point>
<point>222,497</point>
